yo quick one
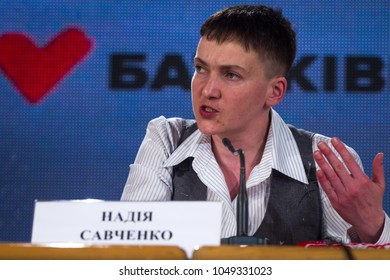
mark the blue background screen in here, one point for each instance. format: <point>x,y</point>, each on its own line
<point>71,132</point>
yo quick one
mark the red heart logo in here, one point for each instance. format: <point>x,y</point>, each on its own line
<point>35,71</point>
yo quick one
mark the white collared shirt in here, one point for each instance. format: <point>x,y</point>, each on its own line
<point>150,177</point>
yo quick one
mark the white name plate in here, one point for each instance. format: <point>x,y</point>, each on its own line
<point>189,224</point>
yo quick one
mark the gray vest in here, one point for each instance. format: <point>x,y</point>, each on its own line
<point>293,212</point>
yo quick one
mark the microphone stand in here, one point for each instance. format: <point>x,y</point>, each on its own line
<point>242,237</point>
<point>242,199</point>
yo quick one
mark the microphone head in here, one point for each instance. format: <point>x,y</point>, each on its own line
<point>229,145</point>
<point>226,142</point>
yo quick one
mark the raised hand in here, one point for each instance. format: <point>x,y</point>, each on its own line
<point>357,198</point>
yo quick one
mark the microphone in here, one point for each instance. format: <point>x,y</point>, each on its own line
<point>242,196</point>
<point>242,237</point>
<point>229,145</point>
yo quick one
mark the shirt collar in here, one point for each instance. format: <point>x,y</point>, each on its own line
<point>188,148</point>
<point>285,154</point>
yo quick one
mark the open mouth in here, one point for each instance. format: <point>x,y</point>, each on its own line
<point>208,109</point>
<point>207,112</point>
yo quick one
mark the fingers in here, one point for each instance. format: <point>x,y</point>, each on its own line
<point>378,173</point>
<point>341,174</point>
<point>326,186</point>
<point>353,167</point>
<point>338,174</point>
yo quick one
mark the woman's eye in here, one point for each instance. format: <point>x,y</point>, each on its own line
<point>199,68</point>
<point>232,76</point>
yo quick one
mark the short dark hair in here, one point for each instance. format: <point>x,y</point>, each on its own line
<point>257,27</point>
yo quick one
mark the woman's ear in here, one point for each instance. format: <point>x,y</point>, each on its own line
<point>277,91</point>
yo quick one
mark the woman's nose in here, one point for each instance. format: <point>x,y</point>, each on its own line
<point>211,87</point>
